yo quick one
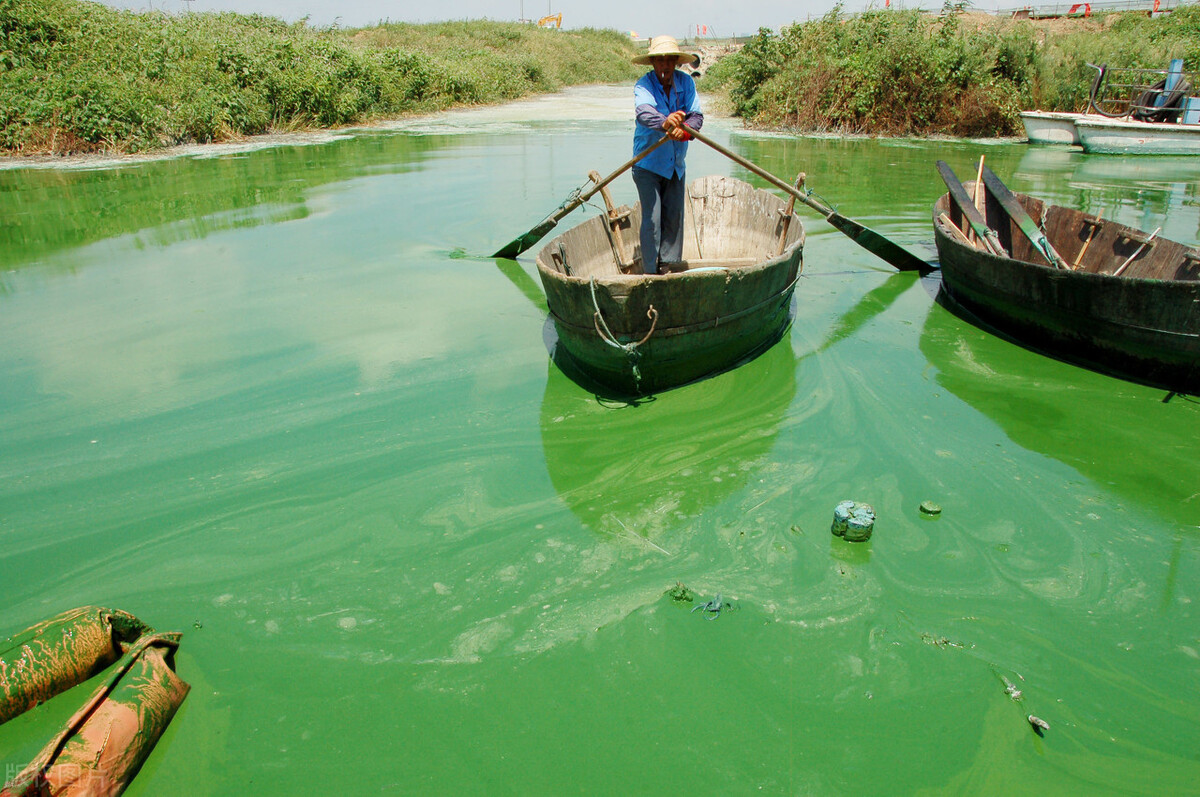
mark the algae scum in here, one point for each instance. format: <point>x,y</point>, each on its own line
<point>262,398</point>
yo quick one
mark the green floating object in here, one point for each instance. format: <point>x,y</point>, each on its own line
<point>930,508</point>
<point>680,593</point>
<point>853,521</point>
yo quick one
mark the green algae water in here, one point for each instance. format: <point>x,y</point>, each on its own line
<point>278,399</point>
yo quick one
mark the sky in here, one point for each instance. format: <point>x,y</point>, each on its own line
<point>673,17</point>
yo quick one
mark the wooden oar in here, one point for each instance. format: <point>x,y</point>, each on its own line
<point>865,237</point>
<point>523,242</point>
<point>960,197</point>
<point>1028,226</point>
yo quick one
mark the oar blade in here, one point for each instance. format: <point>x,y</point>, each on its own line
<point>1017,213</point>
<point>962,200</point>
<point>519,244</point>
<point>883,248</point>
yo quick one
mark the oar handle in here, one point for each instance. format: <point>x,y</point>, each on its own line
<point>621,170</point>
<point>763,173</point>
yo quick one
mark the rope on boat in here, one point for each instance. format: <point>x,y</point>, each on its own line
<point>630,349</point>
<point>808,192</point>
<point>574,195</point>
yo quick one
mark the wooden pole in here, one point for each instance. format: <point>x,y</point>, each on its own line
<point>977,195</point>
<point>1095,229</point>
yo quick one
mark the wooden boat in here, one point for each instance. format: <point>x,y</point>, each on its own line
<point>727,301</point>
<point>1127,303</point>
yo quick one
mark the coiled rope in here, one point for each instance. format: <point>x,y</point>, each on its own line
<point>630,349</point>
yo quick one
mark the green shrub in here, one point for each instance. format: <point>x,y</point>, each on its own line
<point>908,73</point>
<point>79,76</point>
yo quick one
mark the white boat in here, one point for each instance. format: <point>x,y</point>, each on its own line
<point>1130,137</point>
<point>1050,127</point>
<point>1134,112</point>
<point>1096,133</point>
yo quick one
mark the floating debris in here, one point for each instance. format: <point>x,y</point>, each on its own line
<point>930,508</point>
<point>634,534</point>
<point>1038,724</point>
<point>712,609</point>
<point>853,521</point>
<point>940,641</point>
<point>680,593</point>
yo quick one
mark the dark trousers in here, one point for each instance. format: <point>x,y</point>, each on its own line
<point>661,234</point>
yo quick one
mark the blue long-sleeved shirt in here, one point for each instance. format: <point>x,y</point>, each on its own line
<point>651,108</point>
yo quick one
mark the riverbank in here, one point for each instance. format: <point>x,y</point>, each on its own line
<point>84,79</point>
<point>904,73</point>
<point>610,104</point>
<point>80,77</point>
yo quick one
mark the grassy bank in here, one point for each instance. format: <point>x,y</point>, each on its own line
<point>82,77</point>
<point>907,73</point>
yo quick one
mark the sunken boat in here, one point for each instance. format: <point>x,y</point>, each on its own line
<point>727,301</point>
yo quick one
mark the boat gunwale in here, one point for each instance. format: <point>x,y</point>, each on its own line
<point>942,204</point>
<point>707,273</point>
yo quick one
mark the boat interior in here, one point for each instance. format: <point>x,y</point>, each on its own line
<point>728,224</point>
<point>1086,243</point>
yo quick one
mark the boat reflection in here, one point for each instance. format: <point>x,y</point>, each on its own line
<point>639,469</point>
<point>1145,193</point>
<point>1138,442</point>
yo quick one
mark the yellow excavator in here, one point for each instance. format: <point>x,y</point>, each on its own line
<point>554,19</point>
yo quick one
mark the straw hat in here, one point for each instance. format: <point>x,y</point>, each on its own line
<point>666,45</point>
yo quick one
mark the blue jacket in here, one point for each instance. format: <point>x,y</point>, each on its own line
<point>651,107</point>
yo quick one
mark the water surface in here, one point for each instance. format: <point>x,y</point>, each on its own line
<point>262,397</point>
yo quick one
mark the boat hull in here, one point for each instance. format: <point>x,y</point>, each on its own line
<point>634,334</point>
<point>1049,127</point>
<point>687,351</point>
<point>1128,137</point>
<point>1143,329</point>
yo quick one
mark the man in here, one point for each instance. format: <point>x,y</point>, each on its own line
<point>664,99</point>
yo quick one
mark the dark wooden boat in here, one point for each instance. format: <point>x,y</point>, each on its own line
<point>1127,303</point>
<point>727,301</point>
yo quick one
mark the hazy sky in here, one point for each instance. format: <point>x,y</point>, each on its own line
<point>674,17</point>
